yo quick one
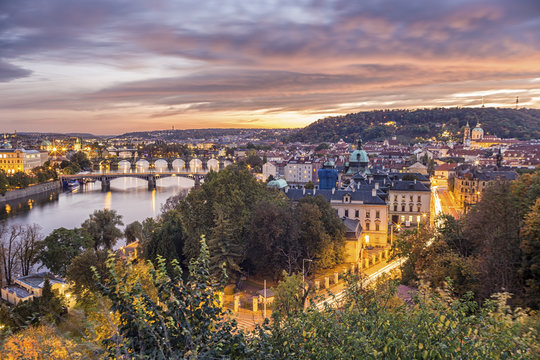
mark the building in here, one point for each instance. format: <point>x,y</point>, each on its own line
<point>365,206</point>
<point>31,286</point>
<point>299,171</point>
<point>471,182</point>
<point>14,160</point>
<point>269,169</point>
<point>409,202</point>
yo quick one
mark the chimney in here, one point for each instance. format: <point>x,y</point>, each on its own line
<point>415,181</point>
<point>377,186</point>
<point>384,181</point>
<point>373,192</point>
<point>314,191</point>
<point>358,186</point>
<point>333,190</point>
<point>304,191</point>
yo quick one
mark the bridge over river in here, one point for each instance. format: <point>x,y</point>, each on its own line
<point>150,177</point>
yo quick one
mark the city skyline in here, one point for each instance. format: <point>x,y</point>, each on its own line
<point>109,67</point>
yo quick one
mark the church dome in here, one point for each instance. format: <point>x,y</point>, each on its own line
<point>359,155</point>
<point>477,133</point>
<point>45,143</point>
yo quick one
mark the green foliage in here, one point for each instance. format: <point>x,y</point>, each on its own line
<point>226,201</point>
<point>133,232</point>
<point>102,228</point>
<point>373,324</point>
<point>530,247</point>
<point>165,239</point>
<point>416,125</point>
<point>79,273</point>
<point>186,321</point>
<point>49,308</point>
<point>62,245</point>
<point>19,180</point>
<point>309,185</point>
<point>4,182</point>
<point>80,160</point>
<point>288,298</point>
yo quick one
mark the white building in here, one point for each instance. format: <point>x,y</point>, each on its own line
<point>409,202</point>
<point>31,286</point>
<point>365,206</point>
<point>299,171</point>
<point>268,169</point>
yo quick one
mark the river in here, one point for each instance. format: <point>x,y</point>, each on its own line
<point>130,197</point>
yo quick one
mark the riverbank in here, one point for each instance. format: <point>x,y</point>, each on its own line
<point>30,191</point>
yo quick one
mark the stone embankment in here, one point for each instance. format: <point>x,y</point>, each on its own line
<point>29,191</point>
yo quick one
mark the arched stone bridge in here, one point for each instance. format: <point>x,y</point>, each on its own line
<point>151,177</point>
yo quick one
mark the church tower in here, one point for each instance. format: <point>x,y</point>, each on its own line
<point>467,135</point>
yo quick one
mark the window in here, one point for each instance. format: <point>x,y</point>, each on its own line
<point>356,213</point>
<point>346,213</point>
<point>403,207</point>
<point>418,208</point>
<point>368,214</point>
<point>419,198</point>
<point>410,198</point>
<point>395,207</point>
<point>367,226</point>
<point>377,214</point>
<point>410,218</point>
<point>395,197</point>
<point>410,208</point>
<point>376,227</point>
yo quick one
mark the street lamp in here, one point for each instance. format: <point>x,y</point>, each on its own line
<point>303,275</point>
<point>392,232</point>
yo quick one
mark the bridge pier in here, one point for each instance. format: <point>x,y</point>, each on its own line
<point>151,183</point>
<point>105,184</point>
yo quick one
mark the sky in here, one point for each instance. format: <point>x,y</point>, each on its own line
<point>114,66</point>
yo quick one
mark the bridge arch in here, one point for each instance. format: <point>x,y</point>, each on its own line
<point>212,164</point>
<point>178,165</point>
<point>161,165</point>
<point>195,165</point>
<point>142,165</point>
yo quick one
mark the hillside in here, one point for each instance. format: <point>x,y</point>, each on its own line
<point>207,134</point>
<point>417,125</point>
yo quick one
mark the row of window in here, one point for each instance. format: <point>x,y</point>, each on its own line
<point>368,214</point>
<point>418,207</point>
<point>10,161</point>
<point>410,198</point>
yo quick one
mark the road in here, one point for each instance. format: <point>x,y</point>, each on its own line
<point>444,202</point>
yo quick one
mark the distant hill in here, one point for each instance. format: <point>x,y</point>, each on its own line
<point>418,125</point>
<point>208,134</point>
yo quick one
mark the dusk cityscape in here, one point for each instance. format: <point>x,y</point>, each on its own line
<point>312,179</point>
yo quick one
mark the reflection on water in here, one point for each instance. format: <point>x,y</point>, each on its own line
<point>128,196</point>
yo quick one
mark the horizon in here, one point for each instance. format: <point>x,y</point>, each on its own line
<point>111,67</point>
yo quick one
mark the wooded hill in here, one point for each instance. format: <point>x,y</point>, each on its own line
<point>421,124</point>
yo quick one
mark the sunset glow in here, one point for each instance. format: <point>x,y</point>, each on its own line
<point>110,67</point>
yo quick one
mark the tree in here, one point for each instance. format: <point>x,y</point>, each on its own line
<point>530,246</point>
<point>19,180</point>
<point>225,251</point>
<point>79,272</point>
<point>4,182</point>
<point>133,232</point>
<point>186,321</point>
<point>492,227</point>
<point>102,228</point>
<point>166,240</point>
<point>61,246</point>
<point>288,299</point>
<point>309,185</point>
<point>273,239</point>
<point>28,247</point>
<point>8,250</point>
<point>42,342</point>
<point>81,160</point>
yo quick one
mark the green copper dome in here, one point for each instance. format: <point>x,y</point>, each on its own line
<point>359,155</point>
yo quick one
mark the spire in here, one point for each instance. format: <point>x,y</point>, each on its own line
<point>482,101</point>
<point>359,144</point>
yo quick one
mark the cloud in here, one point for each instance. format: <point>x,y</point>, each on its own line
<point>182,59</point>
<point>10,72</point>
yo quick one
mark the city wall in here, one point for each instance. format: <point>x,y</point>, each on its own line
<point>29,191</point>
